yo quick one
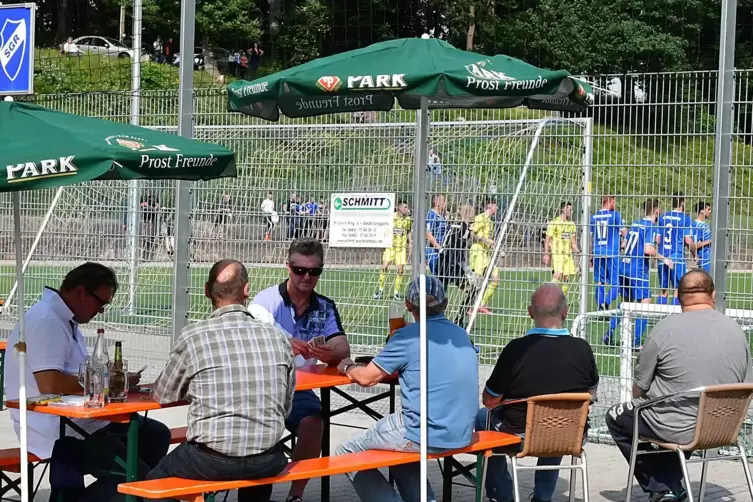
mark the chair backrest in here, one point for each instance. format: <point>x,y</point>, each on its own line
<point>555,425</point>
<point>721,412</point>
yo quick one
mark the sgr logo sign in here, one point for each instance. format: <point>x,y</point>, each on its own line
<point>17,49</point>
<point>362,203</point>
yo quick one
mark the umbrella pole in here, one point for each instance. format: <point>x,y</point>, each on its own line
<point>21,348</point>
<point>419,270</point>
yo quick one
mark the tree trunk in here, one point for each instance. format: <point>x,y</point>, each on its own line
<point>471,29</point>
<point>62,31</point>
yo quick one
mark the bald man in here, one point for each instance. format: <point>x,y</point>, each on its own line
<point>547,360</point>
<point>699,347</point>
<point>238,373</point>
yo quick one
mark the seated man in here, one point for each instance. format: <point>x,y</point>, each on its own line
<point>305,315</point>
<point>699,347</point>
<point>239,376</point>
<point>55,349</point>
<point>547,360</point>
<point>452,394</point>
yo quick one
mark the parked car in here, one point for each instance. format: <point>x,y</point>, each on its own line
<point>95,44</point>
<point>198,59</point>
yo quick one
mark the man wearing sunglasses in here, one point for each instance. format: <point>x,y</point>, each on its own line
<point>56,348</point>
<point>316,333</point>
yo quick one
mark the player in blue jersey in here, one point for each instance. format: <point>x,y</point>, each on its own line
<point>702,236</point>
<point>436,229</point>
<point>676,229</point>
<point>640,247</point>
<point>607,229</point>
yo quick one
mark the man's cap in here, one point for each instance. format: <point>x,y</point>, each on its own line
<point>433,288</point>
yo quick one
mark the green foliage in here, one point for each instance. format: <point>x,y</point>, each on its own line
<point>304,30</point>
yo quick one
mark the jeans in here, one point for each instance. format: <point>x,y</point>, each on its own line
<point>656,472</point>
<point>371,486</point>
<point>193,461</point>
<point>72,458</point>
<point>498,480</point>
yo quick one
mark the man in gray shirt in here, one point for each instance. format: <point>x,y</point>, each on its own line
<point>697,348</point>
<point>238,374</point>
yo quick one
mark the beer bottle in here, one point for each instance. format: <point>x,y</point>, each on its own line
<point>118,377</point>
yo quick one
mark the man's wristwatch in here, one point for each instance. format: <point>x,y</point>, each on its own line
<point>348,366</point>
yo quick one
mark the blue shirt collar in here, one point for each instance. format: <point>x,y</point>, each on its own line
<point>548,332</point>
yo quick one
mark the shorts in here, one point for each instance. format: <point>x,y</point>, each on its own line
<point>607,270</point>
<point>305,404</point>
<point>634,290</point>
<point>397,256</point>
<point>479,259</point>
<point>563,264</point>
<point>432,262</point>
<point>670,277</point>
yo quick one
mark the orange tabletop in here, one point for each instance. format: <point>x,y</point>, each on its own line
<point>3,344</point>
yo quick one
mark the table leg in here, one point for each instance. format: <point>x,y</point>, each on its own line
<point>392,410</point>
<point>132,450</point>
<point>325,438</point>
<point>2,380</point>
<point>447,479</point>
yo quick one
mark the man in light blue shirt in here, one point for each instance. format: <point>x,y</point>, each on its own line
<point>452,396</point>
<point>702,235</point>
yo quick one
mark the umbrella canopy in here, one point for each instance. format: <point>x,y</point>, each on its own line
<point>370,79</point>
<point>42,148</point>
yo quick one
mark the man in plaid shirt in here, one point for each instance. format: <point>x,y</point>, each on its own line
<point>238,374</point>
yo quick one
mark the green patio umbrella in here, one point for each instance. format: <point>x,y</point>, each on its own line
<point>370,79</point>
<point>42,148</point>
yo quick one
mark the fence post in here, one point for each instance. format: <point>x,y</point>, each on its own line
<point>585,220</point>
<point>723,150</point>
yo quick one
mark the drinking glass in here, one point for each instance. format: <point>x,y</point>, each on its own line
<point>94,383</point>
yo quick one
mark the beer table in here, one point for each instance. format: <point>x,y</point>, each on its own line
<point>322,377</point>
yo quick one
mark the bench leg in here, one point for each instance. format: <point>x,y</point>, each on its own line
<point>325,439</point>
<point>2,380</point>
<point>481,462</point>
<point>447,479</point>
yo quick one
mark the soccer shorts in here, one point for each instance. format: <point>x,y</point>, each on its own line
<point>432,261</point>
<point>634,290</point>
<point>670,277</point>
<point>397,256</point>
<point>479,259</point>
<point>607,270</point>
<point>563,264</point>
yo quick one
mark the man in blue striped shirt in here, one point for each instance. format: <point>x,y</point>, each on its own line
<point>702,235</point>
<point>607,230</point>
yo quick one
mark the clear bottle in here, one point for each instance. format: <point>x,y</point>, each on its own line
<point>101,356</point>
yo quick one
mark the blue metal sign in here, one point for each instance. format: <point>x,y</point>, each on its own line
<point>17,49</point>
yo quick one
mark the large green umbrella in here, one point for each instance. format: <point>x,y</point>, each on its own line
<point>407,69</point>
<point>42,148</point>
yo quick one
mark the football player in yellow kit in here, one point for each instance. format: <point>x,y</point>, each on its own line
<point>561,242</point>
<point>398,253</point>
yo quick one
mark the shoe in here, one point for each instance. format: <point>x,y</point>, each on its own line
<point>294,498</point>
<point>607,340</point>
<point>662,497</point>
<point>378,295</point>
<point>603,306</point>
<point>484,310</point>
<point>682,495</point>
<point>267,238</point>
<point>397,297</point>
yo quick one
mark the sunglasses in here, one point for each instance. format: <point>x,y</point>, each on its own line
<point>313,272</point>
<point>102,303</point>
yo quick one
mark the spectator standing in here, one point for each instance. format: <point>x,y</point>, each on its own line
<point>699,347</point>
<point>224,212</point>
<point>158,50</point>
<point>71,49</point>
<point>305,315</point>
<point>55,349</point>
<point>167,51</point>
<point>238,373</point>
<point>256,53</point>
<point>149,211</point>
<point>311,212</point>
<point>231,63</point>
<point>243,64</point>
<point>452,392</point>
<point>547,360</point>
<point>268,210</point>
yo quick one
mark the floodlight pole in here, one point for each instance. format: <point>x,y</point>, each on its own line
<point>183,188</point>
<point>723,150</point>
<point>132,221</point>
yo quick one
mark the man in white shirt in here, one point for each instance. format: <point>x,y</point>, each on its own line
<point>71,49</point>
<point>268,208</point>
<point>55,349</point>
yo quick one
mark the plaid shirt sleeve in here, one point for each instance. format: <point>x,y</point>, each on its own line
<point>291,387</point>
<point>172,384</point>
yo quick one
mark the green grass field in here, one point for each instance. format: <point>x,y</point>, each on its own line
<point>365,319</point>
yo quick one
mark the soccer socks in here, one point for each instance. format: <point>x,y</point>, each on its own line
<point>490,289</point>
<point>612,294</point>
<point>640,328</point>
<point>382,280</point>
<point>599,296</point>
<point>565,287</point>
<point>398,283</point>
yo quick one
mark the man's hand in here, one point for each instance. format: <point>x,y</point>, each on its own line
<point>343,363</point>
<point>300,348</point>
<point>134,379</point>
<point>545,259</point>
<point>669,263</point>
<point>324,353</point>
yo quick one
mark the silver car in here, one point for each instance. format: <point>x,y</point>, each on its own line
<point>103,45</point>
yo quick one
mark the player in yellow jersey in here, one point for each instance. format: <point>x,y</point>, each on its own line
<point>481,251</point>
<point>560,244</point>
<point>398,253</point>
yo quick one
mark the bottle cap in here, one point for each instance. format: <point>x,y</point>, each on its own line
<point>101,331</point>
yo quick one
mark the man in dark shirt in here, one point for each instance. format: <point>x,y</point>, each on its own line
<point>547,360</point>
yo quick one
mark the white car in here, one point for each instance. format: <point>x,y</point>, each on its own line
<point>103,45</point>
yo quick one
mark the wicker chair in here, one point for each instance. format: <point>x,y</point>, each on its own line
<point>721,412</point>
<point>555,425</point>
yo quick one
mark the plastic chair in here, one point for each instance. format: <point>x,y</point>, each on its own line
<point>555,426</point>
<point>721,412</point>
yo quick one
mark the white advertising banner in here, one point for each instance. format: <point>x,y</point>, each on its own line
<point>361,220</point>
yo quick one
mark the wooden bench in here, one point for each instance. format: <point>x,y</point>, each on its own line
<point>205,491</point>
